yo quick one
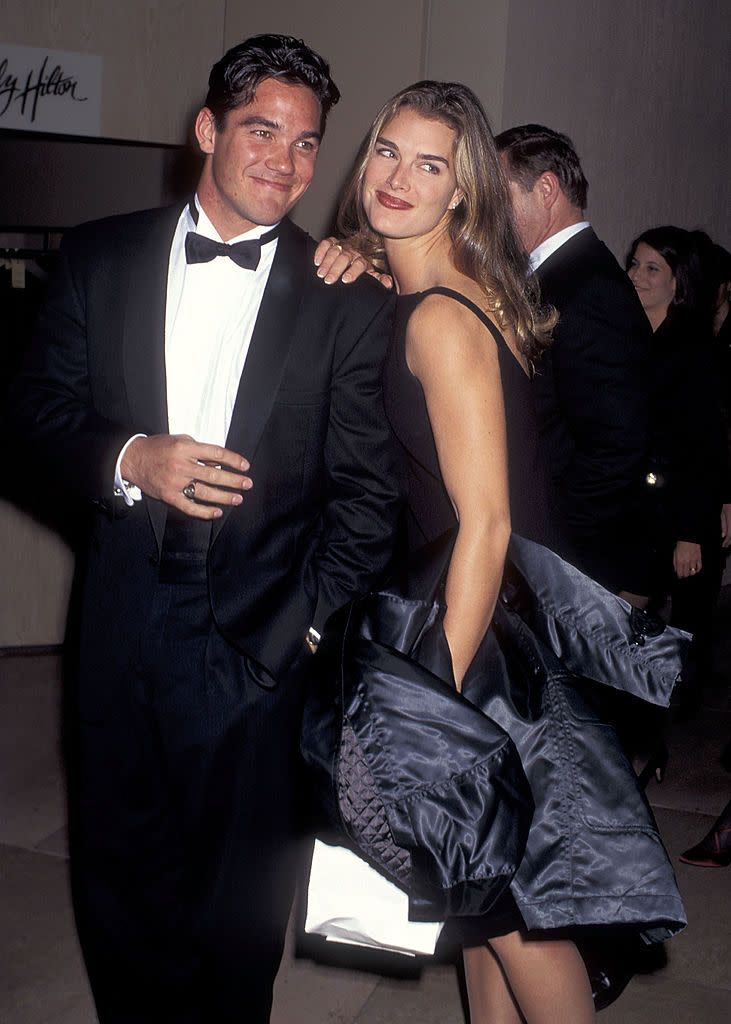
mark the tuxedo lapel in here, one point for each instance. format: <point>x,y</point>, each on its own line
<point>144,332</point>
<point>270,342</point>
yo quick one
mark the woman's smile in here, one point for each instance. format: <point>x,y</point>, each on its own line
<point>392,202</point>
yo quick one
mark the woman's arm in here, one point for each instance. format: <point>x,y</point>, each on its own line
<point>455,359</point>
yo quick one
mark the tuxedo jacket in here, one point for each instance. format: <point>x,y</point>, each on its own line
<point>592,400</point>
<point>318,523</point>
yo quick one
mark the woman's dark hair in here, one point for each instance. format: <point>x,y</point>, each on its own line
<point>715,270</point>
<point>485,243</point>
<point>681,253</point>
<point>720,265</point>
<point>234,78</point>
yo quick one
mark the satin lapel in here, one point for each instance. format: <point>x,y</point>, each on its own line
<point>270,342</point>
<point>144,332</point>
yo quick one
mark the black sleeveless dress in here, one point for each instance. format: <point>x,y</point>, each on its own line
<point>594,856</point>
<point>429,509</point>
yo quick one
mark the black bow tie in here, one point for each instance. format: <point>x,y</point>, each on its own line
<point>200,249</point>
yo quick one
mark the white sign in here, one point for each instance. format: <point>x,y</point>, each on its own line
<point>50,91</point>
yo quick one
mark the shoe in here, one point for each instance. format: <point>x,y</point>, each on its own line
<point>608,969</point>
<point>608,984</point>
<point>713,851</point>
<point>656,765</point>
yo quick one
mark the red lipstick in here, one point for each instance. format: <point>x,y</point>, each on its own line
<point>391,202</point>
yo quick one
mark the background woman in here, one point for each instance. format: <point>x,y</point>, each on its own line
<point>687,449</point>
<point>682,280</point>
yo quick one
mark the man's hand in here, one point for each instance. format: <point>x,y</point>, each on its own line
<point>335,262</point>
<point>687,559</point>
<point>164,464</point>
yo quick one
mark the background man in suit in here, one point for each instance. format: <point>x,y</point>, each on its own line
<point>591,386</point>
<point>222,409</point>
<point>592,405</point>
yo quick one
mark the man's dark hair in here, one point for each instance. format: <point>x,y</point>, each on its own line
<point>234,78</point>
<point>533,149</point>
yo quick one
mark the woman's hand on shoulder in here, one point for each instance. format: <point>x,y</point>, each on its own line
<point>336,261</point>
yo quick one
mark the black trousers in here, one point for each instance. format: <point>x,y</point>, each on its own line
<point>183,852</point>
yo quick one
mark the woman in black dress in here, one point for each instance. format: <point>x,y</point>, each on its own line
<point>687,470</point>
<point>457,387</point>
<point>427,202</point>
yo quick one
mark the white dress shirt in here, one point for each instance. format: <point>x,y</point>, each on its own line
<point>549,246</point>
<point>210,314</point>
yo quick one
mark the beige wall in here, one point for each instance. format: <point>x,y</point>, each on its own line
<point>641,88</point>
<point>374,54</point>
<point>466,42</point>
<point>157,54</point>
<point>368,64</point>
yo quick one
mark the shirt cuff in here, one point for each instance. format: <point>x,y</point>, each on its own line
<point>123,488</point>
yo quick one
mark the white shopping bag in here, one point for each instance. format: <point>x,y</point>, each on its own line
<point>348,901</point>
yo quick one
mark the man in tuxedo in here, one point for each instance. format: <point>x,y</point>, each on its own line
<point>220,406</point>
<point>591,386</point>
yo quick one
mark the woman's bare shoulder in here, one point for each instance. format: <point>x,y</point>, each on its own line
<point>446,317</point>
<point>441,330</point>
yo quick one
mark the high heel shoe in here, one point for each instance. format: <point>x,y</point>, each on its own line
<point>714,850</point>
<point>656,765</point>
<point>608,968</point>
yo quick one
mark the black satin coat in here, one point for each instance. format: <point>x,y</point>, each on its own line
<point>448,787</point>
<point>412,775</point>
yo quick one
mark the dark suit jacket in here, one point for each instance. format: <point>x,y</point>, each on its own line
<point>318,523</point>
<point>592,404</point>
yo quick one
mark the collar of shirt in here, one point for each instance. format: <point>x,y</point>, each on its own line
<point>178,267</point>
<point>549,246</point>
<point>204,226</point>
<point>210,314</point>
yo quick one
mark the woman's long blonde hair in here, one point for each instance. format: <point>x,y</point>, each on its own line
<point>485,241</point>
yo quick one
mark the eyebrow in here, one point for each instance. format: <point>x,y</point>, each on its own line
<point>421,156</point>
<point>264,122</point>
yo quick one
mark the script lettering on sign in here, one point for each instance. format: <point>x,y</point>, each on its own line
<point>50,91</point>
